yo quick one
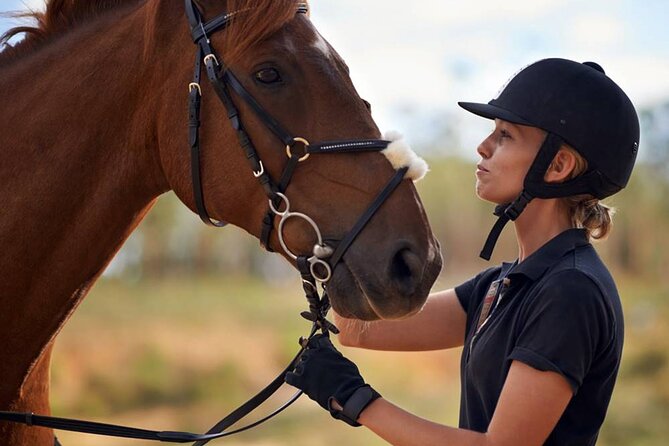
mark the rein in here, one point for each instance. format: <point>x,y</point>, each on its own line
<point>316,268</point>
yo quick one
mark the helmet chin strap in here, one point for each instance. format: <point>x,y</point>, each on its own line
<point>533,186</point>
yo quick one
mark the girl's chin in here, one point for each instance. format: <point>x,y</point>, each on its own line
<point>494,198</point>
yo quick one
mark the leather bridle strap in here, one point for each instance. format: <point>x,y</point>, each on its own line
<point>220,22</point>
<point>215,432</point>
<point>364,218</point>
<point>531,189</point>
<point>266,118</point>
<point>194,101</point>
<point>213,67</point>
<point>221,78</point>
<point>353,145</point>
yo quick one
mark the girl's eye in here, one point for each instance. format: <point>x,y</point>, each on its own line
<point>268,76</point>
<point>504,134</point>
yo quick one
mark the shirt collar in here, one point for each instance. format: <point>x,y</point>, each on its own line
<point>534,266</point>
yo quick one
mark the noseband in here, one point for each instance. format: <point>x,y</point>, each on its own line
<point>317,267</point>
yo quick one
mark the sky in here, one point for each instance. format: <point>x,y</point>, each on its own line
<point>414,60</point>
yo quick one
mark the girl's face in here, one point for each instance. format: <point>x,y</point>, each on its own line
<point>506,156</point>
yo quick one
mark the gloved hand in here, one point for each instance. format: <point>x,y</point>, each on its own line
<point>325,375</point>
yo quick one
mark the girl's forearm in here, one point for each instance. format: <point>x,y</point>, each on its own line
<point>400,428</point>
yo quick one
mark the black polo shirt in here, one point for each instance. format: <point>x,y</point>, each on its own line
<point>559,310</point>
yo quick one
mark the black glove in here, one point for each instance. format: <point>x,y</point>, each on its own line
<point>325,375</point>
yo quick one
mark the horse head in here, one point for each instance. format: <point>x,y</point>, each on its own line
<point>300,81</point>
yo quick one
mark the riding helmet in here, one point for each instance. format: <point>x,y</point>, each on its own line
<point>577,104</point>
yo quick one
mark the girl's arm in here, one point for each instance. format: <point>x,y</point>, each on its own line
<point>438,325</point>
<point>529,407</point>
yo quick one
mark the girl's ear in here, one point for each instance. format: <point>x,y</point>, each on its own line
<point>561,167</point>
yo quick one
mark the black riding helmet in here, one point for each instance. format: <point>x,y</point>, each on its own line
<point>575,103</point>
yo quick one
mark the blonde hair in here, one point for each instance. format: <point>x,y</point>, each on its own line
<point>586,211</point>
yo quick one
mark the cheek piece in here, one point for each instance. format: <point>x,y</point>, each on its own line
<point>534,186</point>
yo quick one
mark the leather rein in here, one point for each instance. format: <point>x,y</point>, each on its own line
<point>314,268</point>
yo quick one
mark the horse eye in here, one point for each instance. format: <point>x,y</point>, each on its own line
<point>268,76</point>
<point>368,105</point>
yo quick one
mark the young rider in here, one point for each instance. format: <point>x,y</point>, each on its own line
<point>542,335</point>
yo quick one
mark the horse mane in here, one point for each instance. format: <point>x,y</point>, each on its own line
<point>58,17</point>
<point>258,20</point>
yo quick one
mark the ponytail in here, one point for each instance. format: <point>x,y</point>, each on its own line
<point>586,211</point>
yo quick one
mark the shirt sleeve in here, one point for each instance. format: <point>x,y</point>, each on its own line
<point>564,327</point>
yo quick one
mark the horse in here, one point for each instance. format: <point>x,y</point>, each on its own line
<point>94,130</point>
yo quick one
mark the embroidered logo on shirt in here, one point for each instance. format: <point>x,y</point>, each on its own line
<point>493,294</point>
<point>487,303</point>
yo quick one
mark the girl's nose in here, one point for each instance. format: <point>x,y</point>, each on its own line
<point>484,149</point>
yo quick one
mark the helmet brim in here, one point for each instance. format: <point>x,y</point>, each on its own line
<point>490,111</point>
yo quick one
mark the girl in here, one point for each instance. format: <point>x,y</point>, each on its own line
<point>542,335</point>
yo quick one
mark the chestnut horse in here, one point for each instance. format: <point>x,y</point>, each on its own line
<point>93,130</point>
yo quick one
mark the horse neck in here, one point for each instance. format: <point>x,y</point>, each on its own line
<point>78,171</point>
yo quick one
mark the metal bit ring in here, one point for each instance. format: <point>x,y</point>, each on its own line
<point>285,200</point>
<point>285,217</point>
<point>314,263</point>
<point>319,268</point>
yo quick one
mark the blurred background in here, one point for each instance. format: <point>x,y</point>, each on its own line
<point>188,321</point>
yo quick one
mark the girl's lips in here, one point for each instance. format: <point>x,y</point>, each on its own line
<point>480,168</point>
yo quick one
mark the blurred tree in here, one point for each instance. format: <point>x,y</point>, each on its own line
<point>154,235</point>
<point>655,142</point>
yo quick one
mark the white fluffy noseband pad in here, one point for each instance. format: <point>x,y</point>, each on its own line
<point>401,155</point>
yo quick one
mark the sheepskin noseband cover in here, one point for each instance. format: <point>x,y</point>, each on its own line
<point>401,155</point>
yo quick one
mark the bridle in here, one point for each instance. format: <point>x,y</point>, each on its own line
<point>324,258</point>
<point>315,268</point>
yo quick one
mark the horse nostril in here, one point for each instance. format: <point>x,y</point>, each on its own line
<point>405,268</point>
